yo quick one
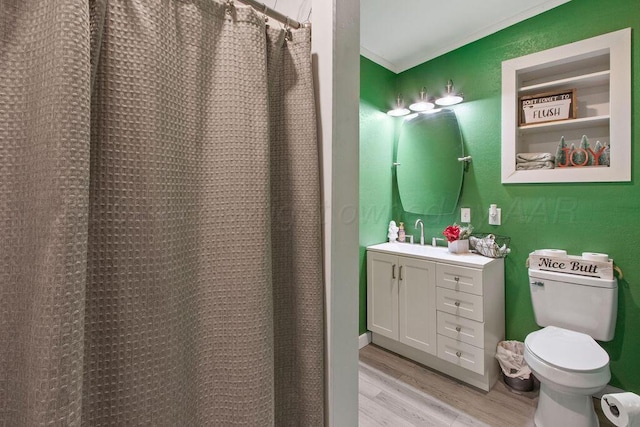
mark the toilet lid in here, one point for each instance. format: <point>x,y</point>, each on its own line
<point>566,349</point>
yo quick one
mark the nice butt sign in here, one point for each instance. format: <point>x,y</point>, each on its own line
<point>571,264</point>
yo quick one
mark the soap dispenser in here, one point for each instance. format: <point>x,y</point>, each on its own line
<point>402,235</point>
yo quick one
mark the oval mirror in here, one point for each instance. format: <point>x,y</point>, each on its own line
<point>429,174</point>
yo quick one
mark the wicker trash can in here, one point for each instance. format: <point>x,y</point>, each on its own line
<point>515,371</point>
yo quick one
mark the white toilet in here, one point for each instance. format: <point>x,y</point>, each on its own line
<point>564,356</point>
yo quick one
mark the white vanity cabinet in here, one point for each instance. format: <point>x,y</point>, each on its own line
<point>443,310</point>
<point>399,289</point>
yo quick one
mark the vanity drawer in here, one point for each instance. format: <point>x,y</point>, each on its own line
<point>461,329</point>
<point>461,354</point>
<point>459,303</point>
<point>459,278</point>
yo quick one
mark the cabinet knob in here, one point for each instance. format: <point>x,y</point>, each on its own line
<point>456,278</point>
<point>458,328</point>
<point>457,303</point>
<point>459,354</point>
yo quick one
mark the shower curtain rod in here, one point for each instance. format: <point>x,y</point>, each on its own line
<point>272,13</point>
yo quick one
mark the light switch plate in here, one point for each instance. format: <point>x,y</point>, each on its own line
<point>465,215</point>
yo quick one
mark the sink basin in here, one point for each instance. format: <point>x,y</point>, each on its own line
<point>435,253</point>
<point>415,249</point>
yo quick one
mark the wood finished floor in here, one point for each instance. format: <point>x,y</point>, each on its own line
<point>395,391</point>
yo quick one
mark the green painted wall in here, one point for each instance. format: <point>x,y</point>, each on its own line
<point>598,217</point>
<point>376,158</point>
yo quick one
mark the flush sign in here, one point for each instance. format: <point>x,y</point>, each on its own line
<point>547,107</point>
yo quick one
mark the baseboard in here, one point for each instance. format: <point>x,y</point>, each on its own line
<point>364,340</point>
<point>609,389</point>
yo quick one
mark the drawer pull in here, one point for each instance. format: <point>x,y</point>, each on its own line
<point>459,354</point>
<point>458,328</point>
<point>457,303</point>
<point>456,278</point>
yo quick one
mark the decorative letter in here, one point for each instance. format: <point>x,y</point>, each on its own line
<point>596,156</point>
<point>579,151</point>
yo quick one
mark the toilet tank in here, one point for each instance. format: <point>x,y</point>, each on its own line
<point>579,303</point>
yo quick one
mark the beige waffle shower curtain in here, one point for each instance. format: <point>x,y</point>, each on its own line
<point>160,257</point>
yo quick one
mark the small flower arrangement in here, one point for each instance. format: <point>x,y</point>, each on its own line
<point>455,232</point>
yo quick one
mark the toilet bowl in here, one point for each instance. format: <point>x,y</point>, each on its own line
<point>571,366</point>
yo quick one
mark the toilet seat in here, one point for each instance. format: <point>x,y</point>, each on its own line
<point>567,350</point>
<point>588,375</point>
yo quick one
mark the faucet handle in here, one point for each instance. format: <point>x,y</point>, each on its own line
<point>434,241</point>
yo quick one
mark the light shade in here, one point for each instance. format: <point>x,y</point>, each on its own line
<point>423,103</point>
<point>399,109</point>
<point>450,98</point>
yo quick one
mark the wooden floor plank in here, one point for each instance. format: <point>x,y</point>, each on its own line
<point>466,421</point>
<point>418,395</point>
<point>410,395</point>
<point>367,388</point>
<point>496,408</point>
<point>381,415</point>
<point>365,419</point>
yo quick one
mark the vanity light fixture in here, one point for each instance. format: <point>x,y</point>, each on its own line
<point>398,110</point>
<point>450,98</point>
<point>423,104</point>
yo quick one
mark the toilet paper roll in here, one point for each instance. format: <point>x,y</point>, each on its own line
<point>622,409</point>
<point>553,252</point>
<point>593,256</point>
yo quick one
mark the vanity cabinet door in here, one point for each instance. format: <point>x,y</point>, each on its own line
<point>382,294</point>
<point>417,304</point>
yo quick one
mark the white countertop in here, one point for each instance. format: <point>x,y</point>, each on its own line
<point>428,252</point>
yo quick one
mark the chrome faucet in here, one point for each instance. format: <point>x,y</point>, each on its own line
<point>419,221</point>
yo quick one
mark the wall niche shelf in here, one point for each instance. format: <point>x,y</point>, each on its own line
<point>599,69</point>
<point>566,124</point>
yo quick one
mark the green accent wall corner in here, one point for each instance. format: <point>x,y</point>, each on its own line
<point>377,133</point>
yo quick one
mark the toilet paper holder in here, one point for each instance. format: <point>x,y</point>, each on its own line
<point>622,409</point>
<point>614,409</point>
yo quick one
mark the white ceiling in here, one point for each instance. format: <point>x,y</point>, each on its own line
<point>400,34</point>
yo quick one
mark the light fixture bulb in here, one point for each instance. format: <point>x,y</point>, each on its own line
<point>399,109</point>
<point>423,103</point>
<point>451,98</point>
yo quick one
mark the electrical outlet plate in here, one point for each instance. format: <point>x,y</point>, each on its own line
<point>465,215</point>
